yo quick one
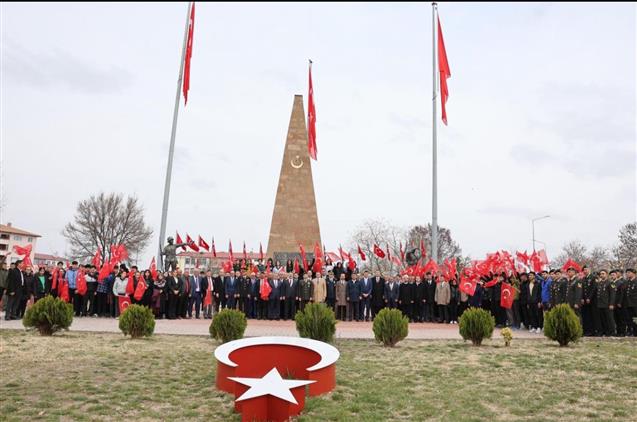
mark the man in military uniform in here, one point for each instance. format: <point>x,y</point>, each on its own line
<point>305,291</point>
<point>560,287</point>
<point>606,289</point>
<point>620,314</point>
<point>631,301</point>
<point>575,293</point>
<point>588,285</point>
<point>170,252</point>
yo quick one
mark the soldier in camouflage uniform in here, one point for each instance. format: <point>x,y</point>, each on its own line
<point>606,289</point>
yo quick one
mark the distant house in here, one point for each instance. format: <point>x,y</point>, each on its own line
<point>11,236</point>
<point>46,260</point>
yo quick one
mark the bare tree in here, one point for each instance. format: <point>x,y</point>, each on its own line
<point>447,247</point>
<point>625,253</point>
<point>105,220</point>
<point>596,259</point>
<point>383,234</point>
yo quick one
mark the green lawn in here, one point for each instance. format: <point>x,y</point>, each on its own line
<point>84,376</point>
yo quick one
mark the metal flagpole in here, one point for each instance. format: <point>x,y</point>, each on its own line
<point>171,151</point>
<point>434,192</point>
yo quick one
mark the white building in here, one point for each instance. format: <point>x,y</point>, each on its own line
<point>11,236</point>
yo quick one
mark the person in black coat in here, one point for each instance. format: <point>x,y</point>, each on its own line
<point>244,290</point>
<point>406,297</point>
<point>15,289</point>
<point>274,302</point>
<point>378,292</point>
<point>330,286</point>
<point>534,299</point>
<point>353,297</point>
<point>523,298</point>
<point>430,297</point>
<point>29,285</point>
<point>174,287</point>
<point>419,300</point>
<point>218,292</point>
<point>392,292</point>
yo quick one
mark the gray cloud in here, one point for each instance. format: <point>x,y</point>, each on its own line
<point>57,68</point>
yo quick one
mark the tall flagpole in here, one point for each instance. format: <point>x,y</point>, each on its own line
<point>171,151</point>
<point>434,191</point>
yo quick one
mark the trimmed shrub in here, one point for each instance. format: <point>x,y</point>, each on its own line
<point>138,321</point>
<point>476,324</point>
<point>390,326</point>
<point>228,325</point>
<point>562,325</point>
<point>507,335</point>
<point>49,315</point>
<point>316,321</point>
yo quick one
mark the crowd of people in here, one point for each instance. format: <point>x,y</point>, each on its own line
<point>605,301</point>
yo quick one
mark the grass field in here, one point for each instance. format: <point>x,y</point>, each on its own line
<point>84,376</point>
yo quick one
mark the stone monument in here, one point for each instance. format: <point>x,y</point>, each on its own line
<point>294,219</point>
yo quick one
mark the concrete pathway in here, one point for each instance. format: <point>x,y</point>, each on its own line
<point>199,327</point>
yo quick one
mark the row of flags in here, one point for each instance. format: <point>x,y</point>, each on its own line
<point>202,244</point>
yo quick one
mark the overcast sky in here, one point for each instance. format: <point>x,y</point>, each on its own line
<point>542,117</point>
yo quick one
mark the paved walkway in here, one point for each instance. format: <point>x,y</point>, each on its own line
<point>199,327</point>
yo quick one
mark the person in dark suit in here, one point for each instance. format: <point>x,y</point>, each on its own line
<point>420,291</point>
<point>392,291</point>
<point>354,297</point>
<point>196,294</point>
<point>184,295</point>
<point>243,288</point>
<point>230,289</point>
<point>174,286</point>
<point>430,297</point>
<point>534,301</point>
<point>330,286</point>
<point>291,296</point>
<point>205,281</point>
<point>274,299</point>
<point>378,292</point>
<point>406,298</point>
<point>15,289</point>
<point>254,295</point>
<point>366,296</point>
<point>218,291</point>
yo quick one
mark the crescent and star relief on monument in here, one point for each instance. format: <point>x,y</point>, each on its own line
<point>296,162</point>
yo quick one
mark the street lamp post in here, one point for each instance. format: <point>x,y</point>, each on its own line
<point>533,227</point>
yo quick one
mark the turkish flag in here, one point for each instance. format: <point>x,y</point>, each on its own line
<point>97,259</point>
<point>140,289</point>
<point>402,252</point>
<point>360,252</point>
<point>491,283</point>
<point>180,241</point>
<point>543,258</point>
<point>430,267</point>
<point>191,243</point>
<point>130,286</point>
<point>311,119</point>
<point>423,251</point>
<point>153,269</point>
<point>318,253</point>
<point>26,251</point>
<point>214,250</point>
<point>191,27</point>
<point>208,299</point>
<point>296,266</point>
<point>445,72</point>
<point>202,244</point>
<point>378,252</point>
<point>467,285</point>
<point>260,251</point>
<point>230,250</point>
<point>303,257</point>
<point>54,278</point>
<point>63,290</point>
<point>523,257</point>
<point>506,296</point>
<point>124,302</point>
<point>264,288</point>
<point>571,264</point>
<point>227,266</point>
<point>81,287</point>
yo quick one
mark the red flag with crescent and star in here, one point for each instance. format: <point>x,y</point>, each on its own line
<point>179,240</point>
<point>230,250</point>
<point>445,73</point>
<point>303,257</point>
<point>153,269</point>
<point>191,28</point>
<point>140,289</point>
<point>191,243</point>
<point>214,249</point>
<point>202,244</point>
<point>378,252</point>
<point>97,259</point>
<point>506,296</point>
<point>362,255</point>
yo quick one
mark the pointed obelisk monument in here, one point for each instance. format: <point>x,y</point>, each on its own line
<point>294,219</point>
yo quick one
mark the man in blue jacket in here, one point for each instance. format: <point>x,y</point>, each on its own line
<point>353,297</point>
<point>366,296</point>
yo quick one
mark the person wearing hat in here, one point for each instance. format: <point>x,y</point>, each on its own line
<point>631,302</point>
<point>606,290</point>
<point>619,313</point>
<point>574,293</point>
<point>588,286</point>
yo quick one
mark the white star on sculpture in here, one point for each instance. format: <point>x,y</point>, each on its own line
<point>271,384</point>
